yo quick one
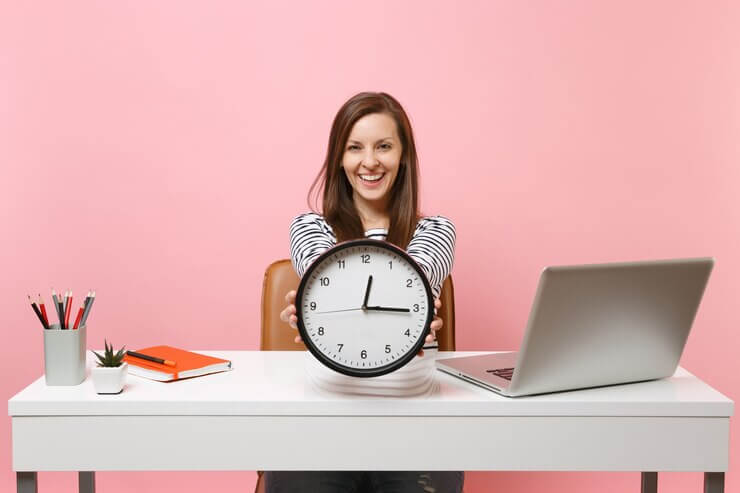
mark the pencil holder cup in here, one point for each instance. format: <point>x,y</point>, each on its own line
<point>64,355</point>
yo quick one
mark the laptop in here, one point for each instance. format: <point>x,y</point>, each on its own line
<point>596,325</point>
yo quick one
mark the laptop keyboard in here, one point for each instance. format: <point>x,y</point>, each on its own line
<point>502,372</point>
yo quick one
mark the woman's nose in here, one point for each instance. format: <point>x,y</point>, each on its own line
<point>369,160</point>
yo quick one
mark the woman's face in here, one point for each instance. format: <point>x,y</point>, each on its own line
<point>371,158</point>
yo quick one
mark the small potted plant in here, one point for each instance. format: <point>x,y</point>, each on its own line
<point>110,374</point>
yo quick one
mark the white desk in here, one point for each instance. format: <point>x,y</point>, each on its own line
<point>263,415</point>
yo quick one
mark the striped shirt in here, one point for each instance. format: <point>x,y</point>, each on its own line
<point>432,245</point>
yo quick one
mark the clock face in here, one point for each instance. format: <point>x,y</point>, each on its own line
<point>364,308</point>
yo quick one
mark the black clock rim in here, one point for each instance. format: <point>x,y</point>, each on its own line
<point>357,372</point>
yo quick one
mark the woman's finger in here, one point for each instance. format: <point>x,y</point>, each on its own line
<point>288,314</point>
<point>436,325</point>
<point>290,297</point>
<point>287,311</point>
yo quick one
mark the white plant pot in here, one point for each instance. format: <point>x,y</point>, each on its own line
<point>109,380</point>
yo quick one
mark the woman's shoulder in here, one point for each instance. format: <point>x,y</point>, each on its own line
<point>311,219</point>
<point>436,221</point>
<point>308,217</point>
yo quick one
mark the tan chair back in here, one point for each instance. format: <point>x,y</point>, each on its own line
<point>280,277</point>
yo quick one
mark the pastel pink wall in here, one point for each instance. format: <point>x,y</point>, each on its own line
<point>156,151</point>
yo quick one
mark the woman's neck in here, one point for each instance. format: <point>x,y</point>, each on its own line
<point>372,216</point>
<point>375,225</point>
<point>374,222</point>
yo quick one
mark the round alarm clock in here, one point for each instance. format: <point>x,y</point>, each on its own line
<point>364,308</point>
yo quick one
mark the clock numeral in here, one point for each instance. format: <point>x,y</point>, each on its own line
<point>321,331</point>
<point>363,354</point>
<point>390,264</point>
<point>387,348</point>
<point>340,346</point>
<point>313,305</point>
<point>324,281</point>
<point>409,282</point>
<point>365,258</point>
<point>341,264</point>
<point>408,332</point>
<point>416,307</point>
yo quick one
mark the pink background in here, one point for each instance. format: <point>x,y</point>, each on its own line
<point>156,151</point>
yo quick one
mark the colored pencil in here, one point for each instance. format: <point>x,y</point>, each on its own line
<point>79,317</point>
<point>54,300</point>
<point>37,311</point>
<point>61,313</point>
<point>58,308</point>
<point>87,309</point>
<point>68,309</point>
<point>43,310</point>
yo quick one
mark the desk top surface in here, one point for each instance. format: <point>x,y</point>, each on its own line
<point>273,383</point>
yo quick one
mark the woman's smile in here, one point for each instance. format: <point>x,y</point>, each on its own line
<point>372,181</point>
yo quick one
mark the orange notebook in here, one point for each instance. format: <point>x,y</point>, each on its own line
<point>188,364</point>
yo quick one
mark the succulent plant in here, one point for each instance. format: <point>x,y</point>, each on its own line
<point>110,359</point>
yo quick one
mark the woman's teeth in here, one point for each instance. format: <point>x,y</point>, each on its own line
<point>371,177</point>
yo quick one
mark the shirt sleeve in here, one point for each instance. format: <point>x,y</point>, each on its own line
<point>433,248</point>
<point>310,236</point>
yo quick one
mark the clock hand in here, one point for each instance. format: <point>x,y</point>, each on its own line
<point>345,310</point>
<point>386,309</point>
<point>367,292</point>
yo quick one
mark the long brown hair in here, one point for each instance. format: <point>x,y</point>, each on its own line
<point>338,207</point>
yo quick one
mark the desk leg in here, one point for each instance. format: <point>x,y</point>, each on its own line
<point>27,482</point>
<point>649,482</point>
<point>714,482</point>
<point>86,481</point>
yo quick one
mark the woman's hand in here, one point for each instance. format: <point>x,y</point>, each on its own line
<point>435,326</point>
<point>288,315</point>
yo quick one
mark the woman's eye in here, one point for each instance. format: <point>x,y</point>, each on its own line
<point>386,146</point>
<point>353,147</point>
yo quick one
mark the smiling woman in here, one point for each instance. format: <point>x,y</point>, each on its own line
<point>370,190</point>
<point>370,138</point>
